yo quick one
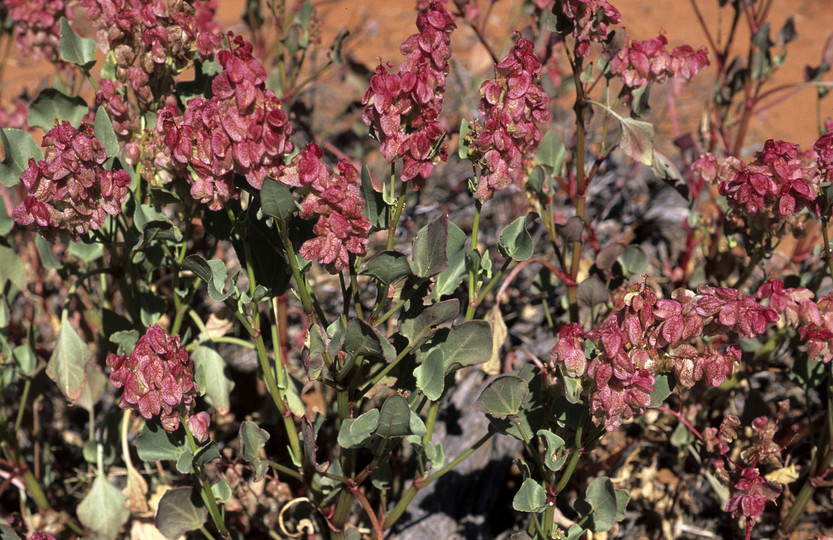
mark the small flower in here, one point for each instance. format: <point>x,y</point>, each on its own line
<point>37,27</point>
<point>242,129</point>
<point>158,381</point>
<point>778,184</point>
<point>403,109</point>
<point>512,106</point>
<point>643,62</point>
<point>590,20</point>
<point>753,494</point>
<point>70,192</point>
<point>570,350</point>
<point>335,203</point>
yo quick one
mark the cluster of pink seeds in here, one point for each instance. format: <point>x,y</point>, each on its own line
<point>69,191</point>
<point>158,381</point>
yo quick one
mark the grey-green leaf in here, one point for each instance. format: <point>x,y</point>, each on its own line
<point>387,266</point>
<point>68,364</point>
<point>362,339</point>
<point>638,140</point>
<point>429,251</point>
<point>252,440</point>
<point>449,279</point>
<point>430,375</point>
<point>375,208</point>
<point>105,133</point>
<point>467,344</point>
<point>530,498</point>
<point>52,105</point>
<point>394,418</point>
<point>156,444</point>
<point>515,240</point>
<point>212,377</point>
<point>75,49</point>
<point>551,153</point>
<point>12,268</point>
<point>178,512</point>
<point>18,147</point>
<point>276,200</point>
<point>102,510</point>
<point>503,396</point>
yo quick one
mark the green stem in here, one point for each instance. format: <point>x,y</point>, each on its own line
<point>205,487</point>
<point>420,483</point>
<point>22,408</point>
<point>821,462</point>
<point>470,261</point>
<point>396,211</point>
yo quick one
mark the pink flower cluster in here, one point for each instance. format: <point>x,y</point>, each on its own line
<point>778,184</point>
<point>37,27</point>
<point>814,320</point>
<point>151,41</point>
<point>642,62</point>
<point>751,491</point>
<point>511,104</point>
<point>646,336</point>
<point>403,109</point>
<point>158,380</point>
<point>335,203</point>
<point>70,192</point>
<point>591,21</point>
<point>241,130</point>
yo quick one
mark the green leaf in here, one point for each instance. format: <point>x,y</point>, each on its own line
<point>638,140</point>
<point>178,512</point>
<point>387,266</point>
<point>603,504</point>
<point>515,240</point>
<point>6,221</point>
<point>105,133</point>
<point>355,431</point>
<point>26,360</point>
<point>394,418</point>
<point>464,144</point>
<point>221,490</point>
<point>68,364</point>
<point>530,498</point>
<point>102,510</point>
<point>634,261</point>
<point>47,257</point>
<point>418,325</point>
<point>52,105</point>
<point>213,272</point>
<point>156,444</point>
<point>430,375</point>
<point>551,153</point>
<point>12,268</point>
<point>467,344</point>
<point>252,440</point>
<point>94,389</point>
<point>85,252</point>
<point>429,251</point>
<point>663,386</point>
<point>554,457</point>
<point>211,375</point>
<point>6,532</point>
<point>375,208</point>
<point>362,339</point>
<point>75,49</point>
<point>503,396</point>
<point>276,200</point>
<point>592,291</point>
<point>449,279</point>
<point>18,147</point>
